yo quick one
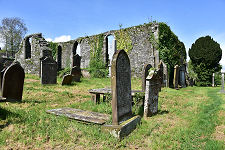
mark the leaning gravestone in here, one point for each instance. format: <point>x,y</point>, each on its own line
<point>48,71</point>
<point>76,73</point>
<point>122,121</point>
<point>153,86</point>
<point>76,60</point>
<point>176,76</point>
<point>12,84</point>
<point>67,79</point>
<point>144,75</point>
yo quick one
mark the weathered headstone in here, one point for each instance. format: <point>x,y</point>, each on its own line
<point>67,79</point>
<point>144,75</point>
<point>82,115</point>
<point>76,60</point>
<point>121,88</point>
<point>213,80</point>
<point>222,83</point>
<point>176,75</point>
<point>76,73</point>
<point>12,84</point>
<point>48,71</point>
<point>122,121</point>
<point>153,86</point>
<point>182,79</point>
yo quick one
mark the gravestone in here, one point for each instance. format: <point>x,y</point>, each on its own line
<point>213,80</point>
<point>165,75</point>
<point>176,75</point>
<point>222,83</point>
<point>123,123</point>
<point>144,75</point>
<point>121,88</point>
<point>182,78</point>
<point>160,72</point>
<point>81,115</point>
<point>76,73</point>
<point>76,60</point>
<point>12,84</point>
<point>48,71</point>
<point>67,79</point>
<point>153,86</point>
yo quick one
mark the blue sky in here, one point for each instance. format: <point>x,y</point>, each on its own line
<point>69,19</point>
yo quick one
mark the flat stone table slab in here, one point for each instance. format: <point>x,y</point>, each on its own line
<point>97,92</point>
<point>81,115</point>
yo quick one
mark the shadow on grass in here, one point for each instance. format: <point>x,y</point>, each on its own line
<point>4,121</point>
<point>160,112</point>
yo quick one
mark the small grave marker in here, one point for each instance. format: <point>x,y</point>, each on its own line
<point>67,79</point>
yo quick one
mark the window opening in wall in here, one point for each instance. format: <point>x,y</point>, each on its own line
<point>59,57</point>
<point>111,48</point>
<point>27,48</point>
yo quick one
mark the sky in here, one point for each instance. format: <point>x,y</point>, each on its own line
<point>63,20</point>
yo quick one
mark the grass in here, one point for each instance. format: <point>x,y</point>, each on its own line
<point>189,118</point>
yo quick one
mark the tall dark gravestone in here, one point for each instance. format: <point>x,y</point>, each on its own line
<point>76,60</point>
<point>12,84</point>
<point>48,71</point>
<point>123,123</point>
<point>144,75</point>
<point>121,87</point>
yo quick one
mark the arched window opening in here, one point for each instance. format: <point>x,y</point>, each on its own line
<point>27,48</point>
<point>59,57</point>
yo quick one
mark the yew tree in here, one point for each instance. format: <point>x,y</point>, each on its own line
<point>205,55</point>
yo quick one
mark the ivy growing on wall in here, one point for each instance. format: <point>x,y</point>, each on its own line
<point>171,49</point>
<point>54,47</point>
<point>123,40</point>
<point>97,66</point>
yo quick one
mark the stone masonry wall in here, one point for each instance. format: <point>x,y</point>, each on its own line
<point>142,51</point>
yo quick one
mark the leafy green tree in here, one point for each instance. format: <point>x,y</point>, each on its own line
<point>12,32</point>
<point>205,55</point>
<point>171,50</point>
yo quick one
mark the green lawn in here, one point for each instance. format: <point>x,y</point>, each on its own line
<point>189,118</point>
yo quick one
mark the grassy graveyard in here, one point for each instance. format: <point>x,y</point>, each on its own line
<point>189,118</point>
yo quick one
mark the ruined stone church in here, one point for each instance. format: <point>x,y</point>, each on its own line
<point>135,40</point>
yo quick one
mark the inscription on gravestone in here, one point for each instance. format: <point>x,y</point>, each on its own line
<point>121,87</point>
<point>12,84</point>
<point>48,71</point>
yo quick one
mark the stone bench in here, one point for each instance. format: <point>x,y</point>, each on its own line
<point>95,93</point>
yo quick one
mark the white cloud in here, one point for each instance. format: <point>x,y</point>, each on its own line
<point>63,38</point>
<point>48,39</point>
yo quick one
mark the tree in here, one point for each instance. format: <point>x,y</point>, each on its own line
<point>205,55</point>
<point>12,31</point>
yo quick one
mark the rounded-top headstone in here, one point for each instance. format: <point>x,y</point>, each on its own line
<point>12,84</point>
<point>121,87</point>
